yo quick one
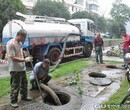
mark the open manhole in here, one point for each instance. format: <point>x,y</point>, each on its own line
<point>97,75</point>
<point>101,81</point>
<point>63,97</point>
<point>111,66</point>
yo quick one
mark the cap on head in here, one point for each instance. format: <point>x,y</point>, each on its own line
<point>22,32</point>
<point>46,61</point>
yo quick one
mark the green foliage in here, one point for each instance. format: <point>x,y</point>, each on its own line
<point>62,70</point>
<point>69,68</point>
<point>117,98</point>
<point>81,14</point>
<point>100,22</point>
<point>115,28</point>
<point>4,86</point>
<point>120,12</point>
<point>77,81</point>
<point>121,15</point>
<point>8,9</point>
<point>51,8</point>
<point>80,87</point>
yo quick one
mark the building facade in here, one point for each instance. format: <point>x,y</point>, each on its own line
<point>92,6</point>
<point>80,5</point>
<point>72,5</point>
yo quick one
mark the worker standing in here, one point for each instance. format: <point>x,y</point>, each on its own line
<point>99,45</point>
<point>17,68</point>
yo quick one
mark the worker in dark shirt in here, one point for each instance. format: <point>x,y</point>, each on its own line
<point>98,45</point>
<point>41,70</point>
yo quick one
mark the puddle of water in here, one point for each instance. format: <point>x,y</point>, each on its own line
<point>113,73</point>
<point>92,91</point>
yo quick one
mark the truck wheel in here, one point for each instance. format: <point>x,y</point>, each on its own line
<point>87,50</point>
<point>53,55</point>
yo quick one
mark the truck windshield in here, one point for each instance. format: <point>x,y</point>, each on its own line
<point>90,26</point>
<point>78,26</point>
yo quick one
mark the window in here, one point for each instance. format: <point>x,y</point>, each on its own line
<point>88,24</point>
<point>78,26</point>
<point>91,26</point>
<point>72,8</point>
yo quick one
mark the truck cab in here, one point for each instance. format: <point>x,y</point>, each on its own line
<point>87,29</point>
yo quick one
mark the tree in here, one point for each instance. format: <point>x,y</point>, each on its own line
<point>120,12</point>
<point>8,9</point>
<point>81,14</point>
<point>121,15</point>
<point>100,22</point>
<point>51,8</point>
<point>115,28</point>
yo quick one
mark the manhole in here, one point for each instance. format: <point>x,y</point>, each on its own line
<point>101,81</point>
<point>64,98</point>
<point>97,75</point>
<point>111,66</point>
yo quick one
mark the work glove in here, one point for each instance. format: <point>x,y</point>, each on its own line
<point>29,59</point>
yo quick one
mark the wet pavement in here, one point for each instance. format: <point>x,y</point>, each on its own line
<point>94,100</point>
<point>92,97</point>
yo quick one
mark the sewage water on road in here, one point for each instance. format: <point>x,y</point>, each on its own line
<point>93,95</point>
<point>103,93</point>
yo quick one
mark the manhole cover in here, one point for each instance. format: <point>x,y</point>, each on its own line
<point>64,98</point>
<point>101,81</point>
<point>97,75</point>
<point>111,66</point>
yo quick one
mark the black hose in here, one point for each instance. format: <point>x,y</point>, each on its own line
<point>36,77</point>
<point>63,50</point>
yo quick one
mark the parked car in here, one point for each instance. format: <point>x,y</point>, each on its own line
<point>108,36</point>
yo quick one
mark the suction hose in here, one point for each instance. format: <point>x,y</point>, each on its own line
<point>63,50</point>
<point>46,88</point>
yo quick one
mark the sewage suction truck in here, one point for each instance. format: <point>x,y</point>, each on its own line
<point>46,36</point>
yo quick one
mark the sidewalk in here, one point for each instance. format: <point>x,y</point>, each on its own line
<point>111,58</point>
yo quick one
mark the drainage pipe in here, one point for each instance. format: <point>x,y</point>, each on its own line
<point>51,92</point>
<point>45,88</point>
<point>63,50</point>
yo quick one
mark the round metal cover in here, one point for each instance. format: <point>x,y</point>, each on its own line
<point>101,81</point>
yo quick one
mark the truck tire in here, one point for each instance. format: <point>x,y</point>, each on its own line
<point>53,55</point>
<point>87,50</point>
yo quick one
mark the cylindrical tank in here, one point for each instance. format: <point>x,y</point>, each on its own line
<point>38,32</point>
